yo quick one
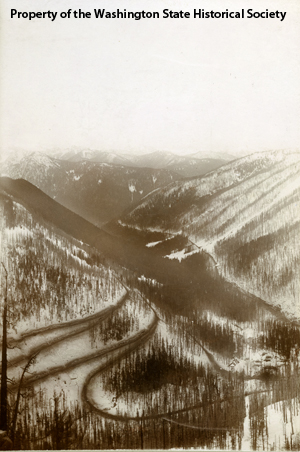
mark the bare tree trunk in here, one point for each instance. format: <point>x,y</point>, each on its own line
<point>14,421</point>
<point>3,392</point>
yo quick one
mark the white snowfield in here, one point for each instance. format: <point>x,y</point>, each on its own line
<point>132,188</point>
<point>182,254</point>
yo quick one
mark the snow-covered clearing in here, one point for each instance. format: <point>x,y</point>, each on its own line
<point>280,425</point>
<point>179,255</point>
<point>131,188</point>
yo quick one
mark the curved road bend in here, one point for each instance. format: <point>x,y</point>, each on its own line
<point>166,415</point>
<point>47,337</point>
<point>139,339</point>
<point>124,346</point>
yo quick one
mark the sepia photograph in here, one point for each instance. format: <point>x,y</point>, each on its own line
<point>150,225</point>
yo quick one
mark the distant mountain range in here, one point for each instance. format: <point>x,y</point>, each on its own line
<point>246,215</point>
<point>96,191</point>
<point>187,166</point>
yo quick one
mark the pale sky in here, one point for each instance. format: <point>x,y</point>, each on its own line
<point>184,85</point>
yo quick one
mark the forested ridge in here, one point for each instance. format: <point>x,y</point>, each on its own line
<point>245,214</point>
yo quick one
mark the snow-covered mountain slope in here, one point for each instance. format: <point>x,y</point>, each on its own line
<point>53,277</point>
<point>246,214</point>
<point>96,191</point>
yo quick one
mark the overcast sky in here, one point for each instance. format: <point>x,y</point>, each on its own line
<point>183,85</point>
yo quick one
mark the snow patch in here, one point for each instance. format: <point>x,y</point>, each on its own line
<point>181,254</point>
<point>150,281</point>
<point>151,244</point>
<point>17,232</point>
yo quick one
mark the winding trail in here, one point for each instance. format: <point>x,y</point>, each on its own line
<point>113,353</point>
<point>164,415</point>
<point>167,415</point>
<point>65,331</point>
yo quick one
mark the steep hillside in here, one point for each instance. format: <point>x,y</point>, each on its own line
<point>52,277</point>
<point>30,197</point>
<point>96,191</point>
<point>245,214</point>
